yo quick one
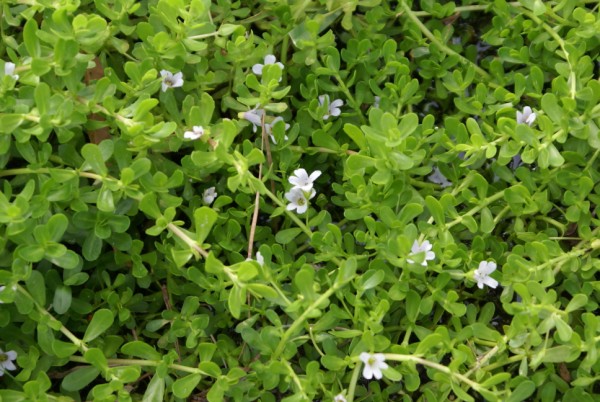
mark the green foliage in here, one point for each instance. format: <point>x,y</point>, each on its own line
<point>447,232</point>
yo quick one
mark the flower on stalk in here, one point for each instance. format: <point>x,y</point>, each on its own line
<point>526,117</point>
<point>302,180</point>
<point>482,274</point>
<point>298,199</point>
<point>333,107</point>
<point>424,247</point>
<point>339,398</point>
<point>6,361</point>
<point>209,195</point>
<point>196,133</point>
<point>438,177</point>
<point>170,80</point>
<point>269,59</point>
<point>374,363</point>
<point>9,69</point>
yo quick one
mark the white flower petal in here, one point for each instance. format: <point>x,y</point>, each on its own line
<point>491,282</point>
<point>339,398</point>
<point>314,175</point>
<point>368,372</point>
<point>337,103</point>
<point>270,59</point>
<point>260,259</point>
<point>257,69</point>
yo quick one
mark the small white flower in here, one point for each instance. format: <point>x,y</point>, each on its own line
<point>438,178</point>
<point>9,69</point>
<point>298,200</point>
<point>527,117</point>
<point>424,247</point>
<point>269,129</point>
<point>254,116</point>
<point>209,195</point>
<point>482,274</point>
<point>6,361</point>
<point>339,398</point>
<point>333,107</point>
<point>269,59</point>
<point>374,363</point>
<point>196,133</point>
<point>302,180</point>
<point>170,80</point>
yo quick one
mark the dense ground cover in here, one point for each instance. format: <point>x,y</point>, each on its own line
<point>299,200</point>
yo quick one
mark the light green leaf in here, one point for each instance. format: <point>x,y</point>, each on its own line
<point>101,321</point>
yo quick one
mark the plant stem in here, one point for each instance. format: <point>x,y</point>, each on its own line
<point>75,340</point>
<point>437,366</point>
<point>300,320</point>
<point>445,48</point>
<point>353,382</point>
<point>143,363</point>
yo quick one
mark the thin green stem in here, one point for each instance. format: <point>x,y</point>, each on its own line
<point>353,381</point>
<point>291,215</point>
<point>172,228</point>
<point>295,379</point>
<point>410,14</point>
<point>300,320</point>
<point>74,339</point>
<point>143,363</point>
<point>510,360</point>
<point>437,366</point>
<point>351,101</point>
<point>476,209</point>
<point>187,240</point>
<point>485,7</point>
<point>561,43</point>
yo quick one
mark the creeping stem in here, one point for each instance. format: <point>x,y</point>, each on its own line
<point>410,14</point>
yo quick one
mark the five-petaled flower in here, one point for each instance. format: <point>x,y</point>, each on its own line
<point>482,274</point>
<point>424,247</point>
<point>6,361</point>
<point>333,108</point>
<point>526,117</point>
<point>170,80</point>
<point>269,59</point>
<point>9,69</point>
<point>209,195</point>
<point>196,133</point>
<point>339,398</point>
<point>302,180</point>
<point>374,363</point>
<point>298,199</point>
